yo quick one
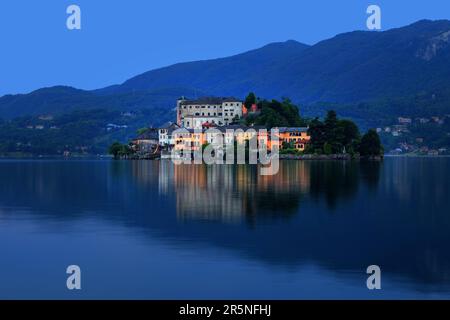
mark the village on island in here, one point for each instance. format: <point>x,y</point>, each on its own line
<point>203,121</point>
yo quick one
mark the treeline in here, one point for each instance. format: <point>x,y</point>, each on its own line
<point>330,136</point>
<point>273,113</point>
<point>78,132</point>
<point>333,136</point>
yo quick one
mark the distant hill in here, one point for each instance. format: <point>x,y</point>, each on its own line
<point>61,99</point>
<point>348,69</point>
<point>232,76</point>
<point>351,67</point>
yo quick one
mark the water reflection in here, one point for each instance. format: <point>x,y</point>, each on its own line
<point>342,216</point>
<point>236,193</point>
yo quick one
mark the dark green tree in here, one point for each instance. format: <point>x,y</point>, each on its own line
<point>370,144</point>
<point>318,138</point>
<point>333,134</point>
<point>250,99</point>
<point>115,149</point>
<point>349,136</point>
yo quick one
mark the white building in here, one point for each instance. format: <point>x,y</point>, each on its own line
<point>165,136</point>
<point>193,114</point>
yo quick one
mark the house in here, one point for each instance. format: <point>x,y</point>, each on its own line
<point>46,117</point>
<point>192,114</point>
<point>189,139</point>
<point>435,119</point>
<point>111,126</point>
<point>253,109</point>
<point>165,135</point>
<point>403,120</point>
<point>147,142</point>
<point>297,137</point>
<point>193,139</point>
<point>433,152</point>
<point>400,128</point>
<point>423,120</point>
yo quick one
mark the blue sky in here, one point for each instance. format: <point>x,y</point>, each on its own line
<point>120,39</point>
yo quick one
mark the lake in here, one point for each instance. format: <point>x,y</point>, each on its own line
<point>153,230</point>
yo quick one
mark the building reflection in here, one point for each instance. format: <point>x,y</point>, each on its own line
<point>333,211</point>
<point>232,193</point>
<point>238,193</point>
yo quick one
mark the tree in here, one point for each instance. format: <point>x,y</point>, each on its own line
<point>370,144</point>
<point>278,114</point>
<point>333,134</point>
<point>115,149</point>
<point>327,149</point>
<point>317,132</point>
<point>349,135</point>
<point>250,100</point>
<point>125,150</point>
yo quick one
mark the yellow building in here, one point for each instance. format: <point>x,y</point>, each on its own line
<point>190,139</point>
<point>297,137</point>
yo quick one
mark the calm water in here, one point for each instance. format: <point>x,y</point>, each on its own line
<point>154,230</point>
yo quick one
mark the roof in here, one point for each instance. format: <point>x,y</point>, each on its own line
<point>240,127</point>
<point>170,126</point>
<point>292,129</point>
<point>209,100</point>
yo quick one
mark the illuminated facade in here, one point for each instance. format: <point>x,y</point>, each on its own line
<point>193,114</point>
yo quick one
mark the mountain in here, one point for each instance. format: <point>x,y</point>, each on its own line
<point>62,99</point>
<point>236,75</point>
<point>350,68</point>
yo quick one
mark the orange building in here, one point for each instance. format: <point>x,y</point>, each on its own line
<point>297,137</point>
<point>190,139</point>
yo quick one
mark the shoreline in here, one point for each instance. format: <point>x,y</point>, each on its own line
<point>304,157</point>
